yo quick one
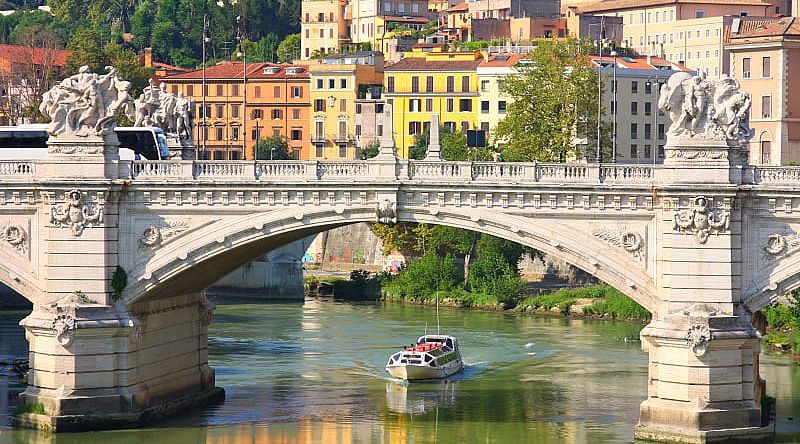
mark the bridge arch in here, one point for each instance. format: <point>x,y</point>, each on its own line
<point>782,278</point>
<point>19,276</point>
<point>196,260</point>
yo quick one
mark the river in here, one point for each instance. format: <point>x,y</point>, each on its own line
<point>313,373</point>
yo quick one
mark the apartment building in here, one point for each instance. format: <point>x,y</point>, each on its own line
<point>426,83</point>
<point>277,104</point>
<point>337,82</point>
<point>630,103</point>
<point>493,102</point>
<point>323,27</point>
<point>688,32</point>
<point>766,62</point>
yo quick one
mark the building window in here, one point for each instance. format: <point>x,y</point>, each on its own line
<point>450,106</point>
<point>234,133</point>
<point>319,105</point>
<point>648,111</point>
<point>276,131</point>
<point>342,151</point>
<point>358,108</point>
<point>220,90</point>
<point>661,131</point>
<point>297,134</point>
<point>766,68</point>
<point>429,84</point>
<point>647,131</point>
<point>648,87</point>
<point>414,128</point>
<point>415,105</point>
<point>451,126</point>
<point>766,107</point>
<point>484,106</point>
<point>220,111</point>
<point>257,114</point>
<point>634,108</point>
<point>746,68</point>
<point>699,13</point>
<point>277,114</point>
<point>465,105</point>
<point>451,84</point>
<point>464,126</point>
<point>634,151</point>
<point>342,130</point>
<point>189,90</point>
<point>484,85</point>
<point>634,131</point>
<point>331,83</point>
<point>390,84</point>
<point>464,83</point>
<point>501,107</point>
<point>358,130</point>
<point>647,151</point>
<point>257,91</point>
<point>296,114</point>
<point>428,105</point>
<point>320,84</point>
<point>220,133</point>
<point>342,105</point>
<point>766,148</point>
<point>343,83</point>
<point>415,84</point>
<point>235,111</point>
<point>318,150</point>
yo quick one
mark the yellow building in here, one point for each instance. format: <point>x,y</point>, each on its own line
<point>691,33</point>
<point>337,81</point>
<point>323,27</point>
<point>426,83</point>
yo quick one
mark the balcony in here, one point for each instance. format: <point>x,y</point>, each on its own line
<point>318,138</point>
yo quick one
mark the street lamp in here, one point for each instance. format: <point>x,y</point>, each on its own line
<point>651,82</point>
<point>616,111</point>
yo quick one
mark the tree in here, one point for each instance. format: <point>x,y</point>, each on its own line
<point>142,21</point>
<point>274,148</point>
<point>555,103</point>
<point>371,150</point>
<point>289,49</point>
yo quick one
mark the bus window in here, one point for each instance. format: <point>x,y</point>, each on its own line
<point>141,142</point>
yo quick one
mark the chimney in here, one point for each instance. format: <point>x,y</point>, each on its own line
<point>148,58</point>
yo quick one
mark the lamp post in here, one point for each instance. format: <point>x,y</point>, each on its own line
<point>206,39</point>
<point>653,82</point>
<point>600,41</point>
<point>616,111</point>
<point>258,139</point>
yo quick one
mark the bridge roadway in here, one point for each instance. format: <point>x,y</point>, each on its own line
<point>115,257</point>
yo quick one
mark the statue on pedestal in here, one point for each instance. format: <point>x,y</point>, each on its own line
<point>86,104</point>
<point>159,108</point>
<point>703,109</point>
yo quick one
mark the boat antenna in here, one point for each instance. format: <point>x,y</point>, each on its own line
<point>437,307</point>
<point>426,329</point>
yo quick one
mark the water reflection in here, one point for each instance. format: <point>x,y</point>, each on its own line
<point>313,373</point>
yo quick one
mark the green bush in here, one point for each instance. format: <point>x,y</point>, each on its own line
<point>30,408</point>
<point>492,275</point>
<point>607,302</point>
<point>779,316</point>
<point>422,277</point>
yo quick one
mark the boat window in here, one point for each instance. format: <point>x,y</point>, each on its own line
<point>428,358</point>
<point>450,343</point>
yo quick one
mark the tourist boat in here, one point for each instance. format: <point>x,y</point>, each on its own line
<point>432,357</point>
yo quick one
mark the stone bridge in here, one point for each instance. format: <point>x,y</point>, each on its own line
<point>115,257</point>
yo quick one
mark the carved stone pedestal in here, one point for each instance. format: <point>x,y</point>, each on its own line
<point>701,380</point>
<point>75,157</point>
<point>181,149</point>
<point>704,161</point>
<point>95,367</point>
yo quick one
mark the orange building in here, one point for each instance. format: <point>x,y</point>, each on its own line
<point>25,74</point>
<point>277,103</point>
<point>766,62</point>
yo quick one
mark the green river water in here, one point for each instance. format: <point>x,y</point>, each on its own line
<point>313,373</point>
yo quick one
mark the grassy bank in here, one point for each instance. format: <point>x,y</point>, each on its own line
<point>594,300</point>
<point>783,326</point>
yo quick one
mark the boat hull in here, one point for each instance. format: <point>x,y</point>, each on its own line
<point>412,372</point>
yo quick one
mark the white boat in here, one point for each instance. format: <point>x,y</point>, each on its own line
<point>432,357</point>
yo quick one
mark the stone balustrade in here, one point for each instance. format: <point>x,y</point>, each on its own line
<point>17,169</point>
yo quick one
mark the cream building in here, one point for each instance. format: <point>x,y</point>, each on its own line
<point>691,33</point>
<point>323,27</point>
<point>492,102</point>
<point>633,107</point>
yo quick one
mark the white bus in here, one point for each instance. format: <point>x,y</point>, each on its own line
<point>29,142</point>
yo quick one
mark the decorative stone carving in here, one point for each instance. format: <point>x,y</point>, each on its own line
<point>87,104</point>
<point>713,110</point>
<point>15,236</point>
<point>157,107</point>
<point>75,213</point>
<point>206,308</point>
<point>631,241</point>
<point>698,338</point>
<point>386,212</point>
<point>155,236</point>
<point>782,244</point>
<point>63,326</point>
<point>700,220</point>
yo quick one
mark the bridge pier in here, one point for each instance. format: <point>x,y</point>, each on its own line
<point>702,390</point>
<point>93,367</point>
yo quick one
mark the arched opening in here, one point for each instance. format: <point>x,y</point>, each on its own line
<point>765,149</point>
<point>13,350</point>
<point>220,248</point>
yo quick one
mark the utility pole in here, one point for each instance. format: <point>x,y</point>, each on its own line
<point>206,39</point>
